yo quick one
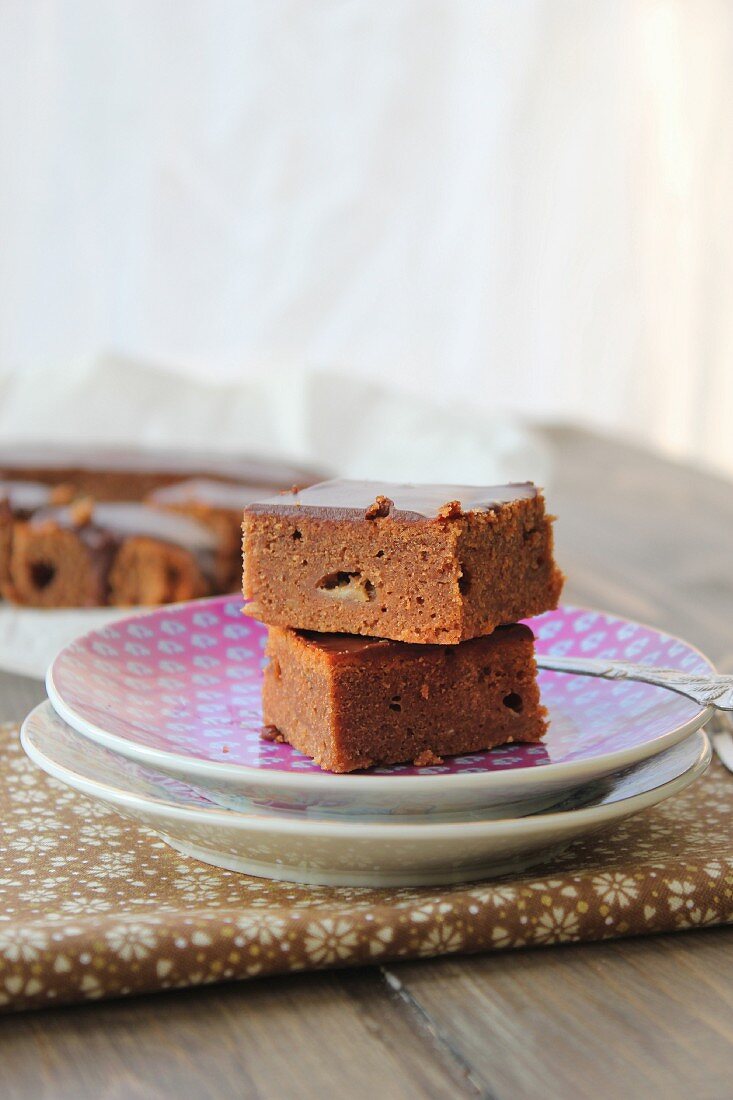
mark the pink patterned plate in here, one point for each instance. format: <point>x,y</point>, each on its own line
<point>178,689</point>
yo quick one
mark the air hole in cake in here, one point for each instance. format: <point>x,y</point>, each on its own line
<point>420,600</point>
<point>485,672</point>
<point>464,580</point>
<point>343,585</point>
<point>395,705</point>
<point>42,573</point>
<point>173,581</point>
<point>380,554</point>
<point>337,580</point>
<point>513,701</point>
<point>296,534</point>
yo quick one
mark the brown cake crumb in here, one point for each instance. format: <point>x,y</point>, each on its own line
<point>427,759</point>
<point>61,494</point>
<point>272,733</point>
<point>380,508</point>
<point>81,512</point>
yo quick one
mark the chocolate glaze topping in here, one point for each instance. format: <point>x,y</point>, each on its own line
<point>341,499</point>
<point>24,497</point>
<point>179,464</point>
<point>343,645</point>
<point>127,520</point>
<point>216,494</point>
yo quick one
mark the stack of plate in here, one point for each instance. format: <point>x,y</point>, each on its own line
<point>158,716</point>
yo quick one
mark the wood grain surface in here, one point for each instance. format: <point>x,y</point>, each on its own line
<point>637,1018</point>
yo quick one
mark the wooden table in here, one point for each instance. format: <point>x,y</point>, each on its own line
<point>645,1018</point>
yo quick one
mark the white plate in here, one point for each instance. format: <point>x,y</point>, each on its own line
<point>30,637</point>
<point>346,852</point>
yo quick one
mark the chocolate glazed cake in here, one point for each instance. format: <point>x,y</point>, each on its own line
<point>425,564</point>
<point>86,554</point>
<point>61,547</point>
<point>219,505</point>
<point>392,618</point>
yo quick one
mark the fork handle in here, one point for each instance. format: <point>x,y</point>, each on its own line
<point>712,690</point>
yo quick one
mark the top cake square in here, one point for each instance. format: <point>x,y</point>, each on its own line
<point>414,563</point>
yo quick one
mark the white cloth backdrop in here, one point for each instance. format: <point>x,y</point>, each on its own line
<point>524,203</point>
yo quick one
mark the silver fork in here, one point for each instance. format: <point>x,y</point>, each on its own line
<point>713,690</point>
<point>709,690</point>
<point>721,726</point>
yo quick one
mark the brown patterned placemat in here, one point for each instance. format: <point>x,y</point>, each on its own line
<point>92,905</point>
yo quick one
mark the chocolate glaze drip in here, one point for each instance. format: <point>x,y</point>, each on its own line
<point>127,520</point>
<point>225,495</point>
<point>109,525</point>
<point>24,497</point>
<point>346,644</point>
<point>342,643</point>
<point>341,499</point>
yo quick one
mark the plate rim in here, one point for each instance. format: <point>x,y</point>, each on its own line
<point>324,782</point>
<point>367,829</point>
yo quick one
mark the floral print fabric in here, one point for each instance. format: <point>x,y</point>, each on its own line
<point>92,905</point>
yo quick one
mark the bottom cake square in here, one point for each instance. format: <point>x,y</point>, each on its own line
<point>351,702</point>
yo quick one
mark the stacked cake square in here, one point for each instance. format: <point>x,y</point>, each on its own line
<point>393,615</point>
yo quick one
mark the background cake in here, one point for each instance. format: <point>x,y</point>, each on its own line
<point>85,528</point>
